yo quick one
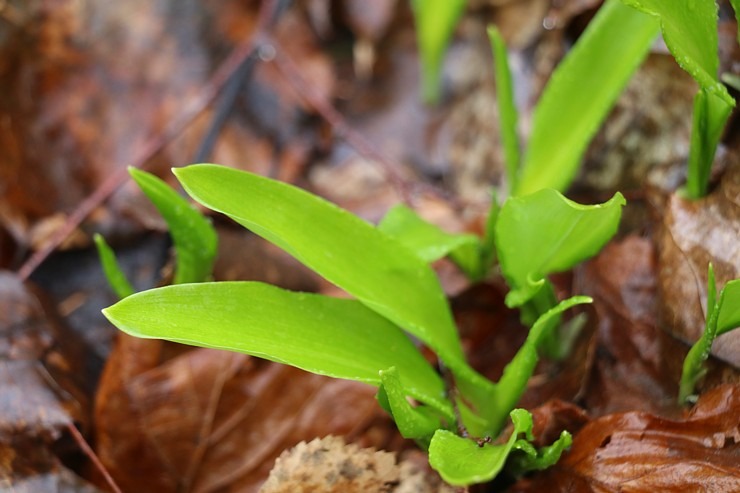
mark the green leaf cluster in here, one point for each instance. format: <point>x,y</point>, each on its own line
<point>723,315</point>
<point>386,270</point>
<point>194,238</point>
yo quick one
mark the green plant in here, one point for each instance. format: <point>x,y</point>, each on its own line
<point>690,32</point>
<point>194,238</point>
<point>723,315</point>
<point>386,269</point>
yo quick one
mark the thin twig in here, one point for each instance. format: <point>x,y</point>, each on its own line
<point>88,451</point>
<point>153,145</point>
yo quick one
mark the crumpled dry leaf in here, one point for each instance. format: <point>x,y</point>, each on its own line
<point>329,465</point>
<point>209,420</point>
<point>638,451</point>
<point>692,235</point>
<point>39,398</point>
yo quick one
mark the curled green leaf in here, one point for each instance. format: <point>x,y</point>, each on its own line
<point>113,272</point>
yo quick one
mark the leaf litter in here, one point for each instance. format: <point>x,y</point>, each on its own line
<point>169,419</point>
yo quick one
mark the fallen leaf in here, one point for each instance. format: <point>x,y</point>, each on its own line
<point>693,234</point>
<point>639,451</point>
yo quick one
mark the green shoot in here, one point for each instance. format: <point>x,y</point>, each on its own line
<point>580,94</point>
<point>113,272</point>
<point>435,23</point>
<point>506,108</point>
<point>194,238</point>
<point>722,316</point>
<point>690,32</point>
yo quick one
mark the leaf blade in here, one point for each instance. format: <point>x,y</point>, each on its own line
<point>312,332</point>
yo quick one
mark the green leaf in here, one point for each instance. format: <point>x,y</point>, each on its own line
<point>430,242</point>
<point>544,233</point>
<point>462,461</point>
<point>517,373</point>
<point>412,422</point>
<point>113,272</point>
<point>580,94</point>
<point>435,23</point>
<point>690,31</point>
<point>506,108</point>
<point>710,115</point>
<point>194,238</point>
<point>346,250</point>
<point>736,7</point>
<point>537,460</point>
<point>334,337</point>
<point>728,317</point>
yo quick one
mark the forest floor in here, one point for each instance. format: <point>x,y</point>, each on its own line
<point>326,95</point>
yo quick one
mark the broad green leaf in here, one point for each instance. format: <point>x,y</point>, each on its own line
<point>429,241</point>
<point>113,273</point>
<point>462,461</point>
<point>412,422</point>
<point>710,115</point>
<point>517,373</point>
<point>544,233</point>
<point>435,23</point>
<point>506,108</point>
<point>346,250</point>
<point>334,337</point>
<point>728,317</point>
<point>194,238</point>
<point>581,92</point>
<point>689,30</point>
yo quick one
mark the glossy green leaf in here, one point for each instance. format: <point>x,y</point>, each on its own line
<point>430,242</point>
<point>690,31</point>
<point>194,238</point>
<point>710,115</point>
<point>728,317</point>
<point>113,272</point>
<point>334,337</point>
<point>506,108</point>
<point>517,373</point>
<point>412,422</point>
<point>581,92</point>
<point>544,233</point>
<point>435,23</point>
<point>346,250</point>
<point>462,461</point>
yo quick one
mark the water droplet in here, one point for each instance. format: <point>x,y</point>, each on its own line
<point>549,23</point>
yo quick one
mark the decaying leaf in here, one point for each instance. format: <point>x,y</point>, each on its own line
<point>329,465</point>
<point>693,234</point>
<point>638,451</point>
<point>208,420</point>
<point>38,396</point>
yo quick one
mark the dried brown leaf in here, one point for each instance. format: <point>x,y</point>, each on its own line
<point>694,234</point>
<point>641,452</point>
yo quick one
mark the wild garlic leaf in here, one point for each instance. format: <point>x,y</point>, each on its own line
<point>194,238</point>
<point>412,422</point>
<point>341,247</point>
<point>507,112</point>
<point>435,23</point>
<point>690,31</point>
<point>113,272</point>
<point>544,233</point>
<point>519,370</point>
<point>462,461</point>
<point>728,317</point>
<point>708,123</point>
<point>329,336</point>
<point>430,242</point>
<point>580,94</point>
